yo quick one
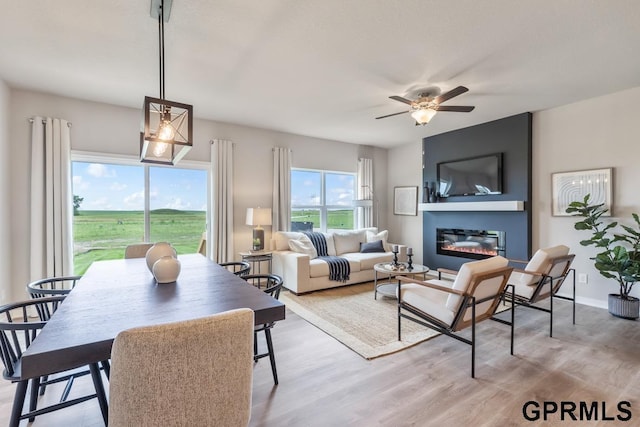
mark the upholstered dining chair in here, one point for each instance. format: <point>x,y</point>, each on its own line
<point>448,307</point>
<point>17,332</point>
<point>271,284</point>
<point>138,250</point>
<point>195,372</point>
<point>542,278</point>
<point>239,268</point>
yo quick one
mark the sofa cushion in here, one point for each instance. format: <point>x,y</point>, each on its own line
<point>372,236</point>
<point>303,245</point>
<point>331,247</point>
<point>468,269</point>
<point>525,284</point>
<point>367,247</point>
<point>348,241</point>
<point>319,268</point>
<point>368,260</point>
<point>282,239</point>
<point>428,300</point>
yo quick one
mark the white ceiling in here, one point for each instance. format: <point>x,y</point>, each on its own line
<point>325,68</point>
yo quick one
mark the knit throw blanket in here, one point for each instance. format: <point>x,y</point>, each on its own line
<point>339,269</point>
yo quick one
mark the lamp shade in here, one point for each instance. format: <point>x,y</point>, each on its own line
<point>423,115</point>
<point>259,216</point>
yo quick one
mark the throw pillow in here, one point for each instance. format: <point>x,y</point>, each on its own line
<point>282,239</point>
<point>348,241</point>
<point>370,247</point>
<point>383,235</point>
<point>303,245</point>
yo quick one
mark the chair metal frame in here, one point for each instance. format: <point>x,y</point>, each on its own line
<point>17,332</point>
<point>469,301</point>
<point>273,285</point>
<point>239,268</point>
<point>554,283</point>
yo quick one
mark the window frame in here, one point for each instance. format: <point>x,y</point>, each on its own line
<point>322,206</point>
<point>128,160</point>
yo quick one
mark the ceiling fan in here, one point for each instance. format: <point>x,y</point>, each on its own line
<point>427,105</point>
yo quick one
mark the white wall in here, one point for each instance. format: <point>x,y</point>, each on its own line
<point>115,130</point>
<point>405,169</point>
<point>5,195</point>
<point>596,133</point>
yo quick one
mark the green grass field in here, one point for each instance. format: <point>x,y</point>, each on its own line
<point>101,235</point>
<point>336,220</point>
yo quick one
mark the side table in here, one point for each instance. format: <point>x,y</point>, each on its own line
<point>256,259</point>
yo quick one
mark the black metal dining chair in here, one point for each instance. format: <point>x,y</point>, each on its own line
<point>17,332</point>
<point>239,268</point>
<point>270,284</point>
<point>50,287</point>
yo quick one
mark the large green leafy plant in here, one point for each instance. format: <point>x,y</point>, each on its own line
<point>619,261</point>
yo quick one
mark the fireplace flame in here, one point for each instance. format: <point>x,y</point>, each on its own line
<point>470,250</point>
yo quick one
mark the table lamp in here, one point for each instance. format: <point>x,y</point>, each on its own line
<point>258,217</point>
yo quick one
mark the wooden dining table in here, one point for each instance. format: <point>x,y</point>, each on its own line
<point>121,294</point>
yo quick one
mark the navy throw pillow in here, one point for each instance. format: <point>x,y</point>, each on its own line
<point>371,247</point>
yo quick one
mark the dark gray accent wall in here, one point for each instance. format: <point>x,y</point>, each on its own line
<point>510,136</point>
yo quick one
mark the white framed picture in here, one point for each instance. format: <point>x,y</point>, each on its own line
<point>567,187</point>
<point>405,201</point>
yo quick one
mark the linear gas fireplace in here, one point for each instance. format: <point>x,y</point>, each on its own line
<point>475,244</point>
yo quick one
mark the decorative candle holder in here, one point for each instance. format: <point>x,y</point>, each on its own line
<point>410,263</point>
<point>394,249</point>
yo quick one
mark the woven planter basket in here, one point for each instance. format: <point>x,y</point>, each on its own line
<point>624,308</point>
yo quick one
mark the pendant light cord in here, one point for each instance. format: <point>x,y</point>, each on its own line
<point>161,47</point>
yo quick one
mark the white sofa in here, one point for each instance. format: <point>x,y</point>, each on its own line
<point>302,274</point>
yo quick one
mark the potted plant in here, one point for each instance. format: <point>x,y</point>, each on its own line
<point>619,258</point>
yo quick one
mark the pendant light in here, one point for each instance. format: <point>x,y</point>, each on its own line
<point>167,127</point>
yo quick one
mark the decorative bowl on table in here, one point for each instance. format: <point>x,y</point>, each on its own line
<point>166,269</point>
<point>158,251</point>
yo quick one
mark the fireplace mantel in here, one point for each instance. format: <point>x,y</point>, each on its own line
<point>500,205</point>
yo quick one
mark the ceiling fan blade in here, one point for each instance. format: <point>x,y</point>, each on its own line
<point>401,99</point>
<point>459,109</point>
<point>448,95</point>
<point>394,114</point>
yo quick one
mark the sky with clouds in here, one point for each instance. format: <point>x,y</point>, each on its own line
<point>306,188</point>
<point>119,187</point>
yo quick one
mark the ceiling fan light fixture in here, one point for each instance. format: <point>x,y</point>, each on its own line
<point>167,126</point>
<point>423,115</point>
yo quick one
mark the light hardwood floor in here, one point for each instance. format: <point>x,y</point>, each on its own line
<point>323,383</point>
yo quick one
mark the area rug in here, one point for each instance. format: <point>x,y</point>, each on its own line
<point>351,315</point>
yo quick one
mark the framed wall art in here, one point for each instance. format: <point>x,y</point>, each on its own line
<point>405,201</point>
<point>567,187</point>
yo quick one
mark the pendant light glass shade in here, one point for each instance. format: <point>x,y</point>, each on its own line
<point>167,131</point>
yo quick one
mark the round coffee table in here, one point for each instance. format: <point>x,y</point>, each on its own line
<point>388,288</point>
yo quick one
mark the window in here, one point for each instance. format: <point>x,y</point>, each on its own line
<point>118,203</point>
<point>322,200</point>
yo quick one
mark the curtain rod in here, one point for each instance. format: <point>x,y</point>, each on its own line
<point>44,121</point>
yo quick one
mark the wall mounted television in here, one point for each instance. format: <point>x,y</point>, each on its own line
<point>475,176</point>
